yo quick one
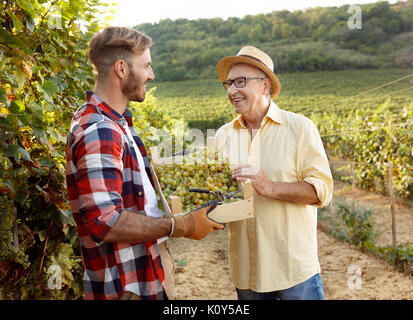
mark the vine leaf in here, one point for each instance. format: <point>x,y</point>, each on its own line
<point>13,40</point>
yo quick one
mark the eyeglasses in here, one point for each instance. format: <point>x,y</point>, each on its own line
<point>239,82</point>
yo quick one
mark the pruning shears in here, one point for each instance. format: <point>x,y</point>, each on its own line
<point>213,203</point>
<point>219,194</point>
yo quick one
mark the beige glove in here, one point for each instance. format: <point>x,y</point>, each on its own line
<point>196,224</point>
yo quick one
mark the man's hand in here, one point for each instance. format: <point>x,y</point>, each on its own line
<point>300,192</point>
<point>196,224</point>
<point>259,180</point>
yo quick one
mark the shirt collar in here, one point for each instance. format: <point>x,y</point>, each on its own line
<point>273,114</point>
<point>93,99</point>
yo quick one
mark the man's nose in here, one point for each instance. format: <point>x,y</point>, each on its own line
<point>151,75</point>
<point>232,88</point>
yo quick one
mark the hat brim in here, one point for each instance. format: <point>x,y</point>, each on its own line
<point>225,64</point>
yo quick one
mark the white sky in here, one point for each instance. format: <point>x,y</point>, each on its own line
<point>133,12</point>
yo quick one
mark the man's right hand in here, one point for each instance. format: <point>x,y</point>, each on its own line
<point>196,224</point>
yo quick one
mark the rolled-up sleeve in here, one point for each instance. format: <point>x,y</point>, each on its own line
<point>314,167</point>
<point>99,178</point>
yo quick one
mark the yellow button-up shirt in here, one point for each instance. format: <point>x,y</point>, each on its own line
<point>277,249</point>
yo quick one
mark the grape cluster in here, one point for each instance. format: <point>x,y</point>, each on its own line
<point>195,172</point>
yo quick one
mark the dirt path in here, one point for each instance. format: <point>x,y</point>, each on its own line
<point>203,273</point>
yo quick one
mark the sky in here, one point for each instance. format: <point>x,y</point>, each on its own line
<point>130,13</point>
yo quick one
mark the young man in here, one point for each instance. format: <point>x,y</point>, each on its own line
<point>109,181</point>
<point>274,255</point>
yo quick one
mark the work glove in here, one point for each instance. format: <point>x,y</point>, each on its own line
<point>196,224</point>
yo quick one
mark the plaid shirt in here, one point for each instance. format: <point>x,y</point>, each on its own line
<point>103,179</point>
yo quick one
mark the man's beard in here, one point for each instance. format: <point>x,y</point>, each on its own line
<point>131,87</point>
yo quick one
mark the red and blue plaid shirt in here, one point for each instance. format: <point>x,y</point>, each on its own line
<point>103,179</point>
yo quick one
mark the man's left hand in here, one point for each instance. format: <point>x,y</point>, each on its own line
<point>259,180</point>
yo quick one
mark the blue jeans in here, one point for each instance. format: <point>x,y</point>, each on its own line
<point>311,289</point>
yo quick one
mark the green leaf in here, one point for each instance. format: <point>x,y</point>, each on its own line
<point>3,94</point>
<point>20,78</point>
<point>17,106</point>
<point>12,151</point>
<point>56,39</point>
<point>26,6</point>
<point>25,119</point>
<point>49,87</point>
<point>42,234</point>
<point>24,154</point>
<point>30,23</point>
<point>77,286</point>
<point>45,162</point>
<point>50,243</point>
<point>16,21</point>
<point>67,217</point>
<point>35,107</point>
<point>13,40</point>
<point>8,184</point>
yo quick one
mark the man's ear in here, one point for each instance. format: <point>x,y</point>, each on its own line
<point>267,85</point>
<point>121,68</point>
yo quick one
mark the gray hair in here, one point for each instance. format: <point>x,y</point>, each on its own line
<point>264,75</point>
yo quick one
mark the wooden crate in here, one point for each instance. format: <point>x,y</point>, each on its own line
<point>224,213</point>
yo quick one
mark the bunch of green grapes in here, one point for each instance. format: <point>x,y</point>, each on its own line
<point>196,172</point>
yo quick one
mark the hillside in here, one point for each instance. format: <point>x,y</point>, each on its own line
<point>315,39</point>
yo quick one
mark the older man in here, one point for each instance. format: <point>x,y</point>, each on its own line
<point>122,232</point>
<point>274,255</point>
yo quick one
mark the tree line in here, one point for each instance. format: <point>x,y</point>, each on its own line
<point>315,39</point>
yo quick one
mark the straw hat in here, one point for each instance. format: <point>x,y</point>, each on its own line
<point>252,56</point>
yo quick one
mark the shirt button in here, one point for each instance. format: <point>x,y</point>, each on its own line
<point>139,193</point>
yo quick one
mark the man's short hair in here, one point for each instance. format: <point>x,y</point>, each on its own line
<point>114,43</point>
